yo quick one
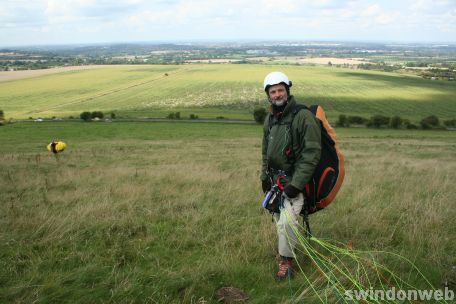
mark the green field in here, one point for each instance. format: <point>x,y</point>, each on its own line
<point>170,212</point>
<point>225,90</point>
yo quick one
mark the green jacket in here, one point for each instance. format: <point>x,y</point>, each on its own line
<point>306,150</point>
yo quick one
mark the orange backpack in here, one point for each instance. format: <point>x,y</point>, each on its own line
<point>330,171</point>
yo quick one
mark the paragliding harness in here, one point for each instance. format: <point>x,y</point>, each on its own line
<point>274,200</point>
<point>327,178</point>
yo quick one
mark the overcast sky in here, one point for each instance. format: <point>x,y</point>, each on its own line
<point>31,22</point>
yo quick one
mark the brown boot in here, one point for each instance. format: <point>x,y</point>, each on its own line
<point>285,269</point>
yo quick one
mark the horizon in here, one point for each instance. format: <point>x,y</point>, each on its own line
<point>245,42</point>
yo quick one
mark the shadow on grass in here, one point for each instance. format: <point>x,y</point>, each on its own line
<point>435,104</point>
<point>398,80</point>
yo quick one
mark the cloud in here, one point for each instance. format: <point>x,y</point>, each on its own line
<point>432,7</point>
<point>371,10</point>
<point>123,20</point>
<point>279,7</point>
<point>21,14</point>
<point>60,11</point>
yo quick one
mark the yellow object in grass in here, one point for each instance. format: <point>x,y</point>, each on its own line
<point>56,146</point>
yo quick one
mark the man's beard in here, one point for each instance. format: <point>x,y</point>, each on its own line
<point>278,102</point>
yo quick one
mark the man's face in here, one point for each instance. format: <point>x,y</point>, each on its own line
<point>278,94</point>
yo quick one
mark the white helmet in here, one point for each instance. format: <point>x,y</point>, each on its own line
<point>275,78</point>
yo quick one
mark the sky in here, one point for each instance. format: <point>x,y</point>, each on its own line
<point>42,22</point>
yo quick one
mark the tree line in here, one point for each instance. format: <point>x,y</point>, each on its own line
<point>394,122</point>
<point>377,121</point>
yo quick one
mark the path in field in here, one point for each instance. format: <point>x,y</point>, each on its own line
<point>82,100</point>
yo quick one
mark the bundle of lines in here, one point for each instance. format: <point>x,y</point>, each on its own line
<point>338,272</point>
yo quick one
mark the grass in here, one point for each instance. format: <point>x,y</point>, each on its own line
<point>223,90</point>
<point>169,213</point>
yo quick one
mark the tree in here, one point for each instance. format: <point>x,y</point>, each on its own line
<point>450,123</point>
<point>97,114</point>
<point>86,116</point>
<point>113,115</point>
<point>343,121</point>
<point>425,125</point>
<point>430,122</point>
<point>408,124</point>
<point>176,115</point>
<point>357,120</point>
<point>2,118</point>
<point>259,114</point>
<point>396,122</point>
<point>378,121</point>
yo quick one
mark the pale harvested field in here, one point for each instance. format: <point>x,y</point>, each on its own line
<point>333,60</point>
<point>264,58</point>
<point>15,75</point>
<point>324,60</point>
<point>212,60</point>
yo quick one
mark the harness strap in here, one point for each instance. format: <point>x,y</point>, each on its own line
<point>294,111</point>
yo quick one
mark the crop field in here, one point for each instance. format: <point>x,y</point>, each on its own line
<point>228,90</point>
<point>170,212</point>
<point>21,74</point>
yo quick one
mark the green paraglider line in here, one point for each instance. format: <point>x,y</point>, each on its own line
<point>332,260</point>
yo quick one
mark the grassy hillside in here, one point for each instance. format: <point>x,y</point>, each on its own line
<point>222,90</point>
<point>169,213</point>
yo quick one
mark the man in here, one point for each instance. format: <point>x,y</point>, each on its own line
<point>290,152</point>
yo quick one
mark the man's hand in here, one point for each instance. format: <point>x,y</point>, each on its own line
<point>266,185</point>
<point>291,191</point>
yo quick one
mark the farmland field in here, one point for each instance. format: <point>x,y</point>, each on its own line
<point>16,75</point>
<point>225,90</point>
<point>170,212</point>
